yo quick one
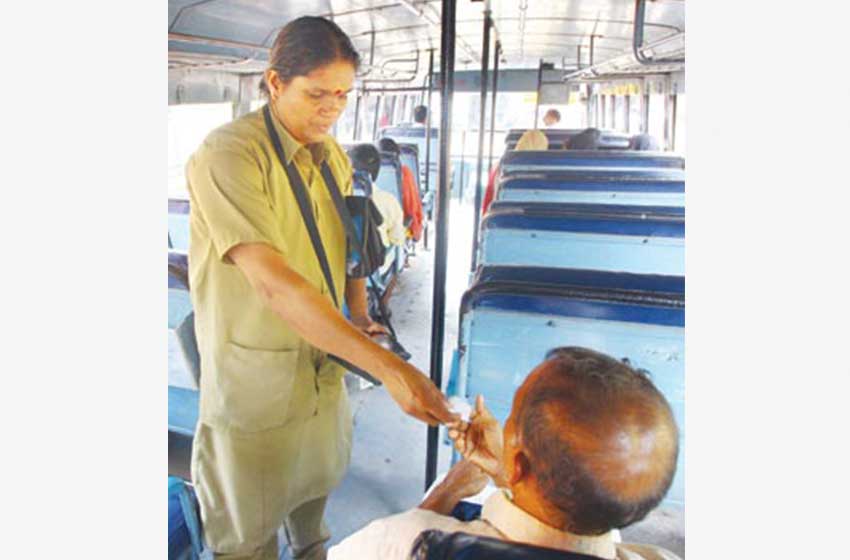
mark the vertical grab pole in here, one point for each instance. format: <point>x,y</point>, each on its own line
<point>438,316</point>
<point>476,210</point>
<point>377,114</point>
<point>357,117</point>
<point>539,85</point>
<point>496,53</point>
<point>428,140</point>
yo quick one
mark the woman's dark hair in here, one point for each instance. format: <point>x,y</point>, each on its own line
<point>389,145</point>
<point>305,44</point>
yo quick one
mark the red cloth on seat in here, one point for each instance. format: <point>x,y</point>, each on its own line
<point>491,190</point>
<point>411,203</point>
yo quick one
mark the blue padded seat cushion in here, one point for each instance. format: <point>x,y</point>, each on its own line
<point>536,208</point>
<point>615,296</point>
<point>593,158</point>
<point>603,224</point>
<point>623,180</point>
<point>182,410</point>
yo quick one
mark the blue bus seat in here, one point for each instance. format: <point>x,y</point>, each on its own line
<point>181,317</point>
<point>416,135</point>
<point>608,139</point>
<point>178,223</point>
<point>182,410</point>
<point>512,316</point>
<point>617,238</point>
<point>179,301</point>
<point>434,544</point>
<point>185,540</point>
<point>409,156</point>
<point>654,188</point>
<point>389,177</point>
<point>594,159</point>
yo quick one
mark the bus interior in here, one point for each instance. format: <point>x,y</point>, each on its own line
<point>580,245</point>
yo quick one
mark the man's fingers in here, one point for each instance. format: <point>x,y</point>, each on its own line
<point>479,404</point>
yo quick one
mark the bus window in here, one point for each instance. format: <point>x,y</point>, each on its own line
<point>620,112</point>
<point>188,125</point>
<point>679,137</point>
<point>634,114</point>
<point>657,103</point>
<point>345,124</point>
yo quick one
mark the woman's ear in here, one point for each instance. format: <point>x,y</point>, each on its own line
<point>274,83</point>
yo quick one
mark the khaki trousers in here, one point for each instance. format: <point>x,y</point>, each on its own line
<point>306,533</point>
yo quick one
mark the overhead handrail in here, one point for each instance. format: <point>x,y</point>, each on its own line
<point>637,39</point>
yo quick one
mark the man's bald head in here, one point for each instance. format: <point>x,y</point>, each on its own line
<point>600,438</point>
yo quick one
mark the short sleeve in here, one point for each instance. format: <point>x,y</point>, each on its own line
<point>347,184</point>
<point>227,188</point>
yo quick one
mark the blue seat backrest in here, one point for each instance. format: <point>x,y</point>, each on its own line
<point>661,187</point>
<point>439,545</point>
<point>178,223</point>
<point>618,238</point>
<point>410,157</point>
<point>389,177</point>
<point>608,139</point>
<point>183,406</point>
<point>185,541</point>
<point>554,160</point>
<point>416,135</point>
<point>512,316</point>
<point>179,301</point>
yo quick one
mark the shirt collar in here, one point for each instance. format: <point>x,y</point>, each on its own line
<point>518,525</point>
<point>319,150</point>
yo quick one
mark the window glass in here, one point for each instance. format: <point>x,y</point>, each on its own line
<point>656,116</point>
<point>679,146</point>
<point>620,112</point>
<point>188,125</point>
<point>634,114</point>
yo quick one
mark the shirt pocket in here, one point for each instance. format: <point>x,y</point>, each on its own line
<point>264,389</point>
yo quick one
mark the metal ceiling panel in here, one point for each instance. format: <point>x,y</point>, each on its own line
<point>528,29</point>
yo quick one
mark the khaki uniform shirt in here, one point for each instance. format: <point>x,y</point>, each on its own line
<point>275,426</point>
<point>240,193</point>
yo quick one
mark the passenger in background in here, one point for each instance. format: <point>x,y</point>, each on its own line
<point>530,140</point>
<point>587,139</point>
<point>590,446</point>
<point>643,142</point>
<point>366,161</point>
<point>392,229</point>
<point>551,118</point>
<point>420,115</point>
<point>411,201</point>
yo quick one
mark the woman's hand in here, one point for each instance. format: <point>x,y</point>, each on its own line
<point>417,395</point>
<point>481,441</point>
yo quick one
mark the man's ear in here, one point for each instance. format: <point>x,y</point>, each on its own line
<point>520,468</point>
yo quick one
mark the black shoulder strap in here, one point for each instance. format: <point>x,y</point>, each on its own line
<point>300,192</point>
<point>341,208</point>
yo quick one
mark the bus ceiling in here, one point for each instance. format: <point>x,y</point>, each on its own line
<point>217,47</point>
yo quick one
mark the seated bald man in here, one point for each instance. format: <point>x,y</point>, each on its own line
<point>590,446</point>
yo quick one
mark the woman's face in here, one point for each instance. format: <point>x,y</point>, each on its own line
<point>310,105</point>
